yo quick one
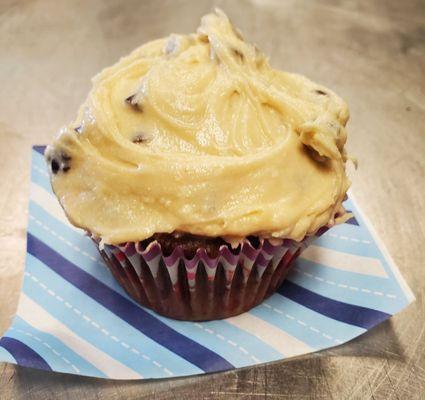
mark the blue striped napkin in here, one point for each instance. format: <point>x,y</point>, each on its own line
<point>73,317</point>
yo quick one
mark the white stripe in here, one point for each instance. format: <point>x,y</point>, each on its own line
<point>406,289</point>
<point>50,204</point>
<point>39,318</point>
<point>284,343</point>
<point>345,261</point>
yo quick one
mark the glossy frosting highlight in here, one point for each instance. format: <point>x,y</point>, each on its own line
<point>199,134</point>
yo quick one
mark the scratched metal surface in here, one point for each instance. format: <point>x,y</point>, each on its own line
<point>371,53</point>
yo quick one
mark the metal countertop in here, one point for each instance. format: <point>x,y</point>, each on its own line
<point>372,53</point>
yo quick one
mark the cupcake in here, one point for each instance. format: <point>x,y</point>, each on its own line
<point>200,172</point>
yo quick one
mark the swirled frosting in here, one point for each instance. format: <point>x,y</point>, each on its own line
<point>199,134</point>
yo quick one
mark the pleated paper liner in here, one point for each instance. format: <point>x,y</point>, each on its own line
<point>203,287</point>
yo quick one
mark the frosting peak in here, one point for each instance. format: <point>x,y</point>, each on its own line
<point>197,133</point>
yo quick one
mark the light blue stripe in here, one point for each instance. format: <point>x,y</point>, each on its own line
<point>351,232</point>
<point>348,246</point>
<point>5,356</point>
<point>232,353</point>
<point>335,329</point>
<point>55,361</point>
<point>355,281</point>
<point>95,268</point>
<point>41,180</point>
<point>105,319</point>
<point>372,251</point>
<point>317,320</point>
<point>360,232</point>
<point>38,160</point>
<point>327,271</point>
<point>380,256</point>
<point>36,176</point>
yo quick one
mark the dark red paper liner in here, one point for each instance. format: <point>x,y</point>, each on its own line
<point>201,288</point>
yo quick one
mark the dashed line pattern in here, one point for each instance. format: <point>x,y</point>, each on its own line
<point>96,325</point>
<point>342,237</point>
<point>344,286</point>
<point>62,239</point>
<point>231,342</point>
<point>302,323</point>
<point>47,345</point>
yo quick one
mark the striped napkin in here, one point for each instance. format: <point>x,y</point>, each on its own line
<point>73,317</point>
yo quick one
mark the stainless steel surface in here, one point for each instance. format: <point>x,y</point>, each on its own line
<point>370,52</point>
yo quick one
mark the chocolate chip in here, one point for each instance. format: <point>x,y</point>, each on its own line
<point>237,53</point>
<point>321,92</point>
<point>59,160</point>
<point>55,166</point>
<point>141,138</point>
<point>314,154</point>
<point>130,100</point>
<point>65,156</point>
<point>78,129</point>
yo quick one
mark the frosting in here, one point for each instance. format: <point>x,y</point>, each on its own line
<point>199,134</point>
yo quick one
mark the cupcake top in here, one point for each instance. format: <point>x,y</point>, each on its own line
<point>199,134</point>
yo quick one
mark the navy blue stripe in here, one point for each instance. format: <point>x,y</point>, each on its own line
<point>352,220</point>
<point>179,344</point>
<point>23,354</point>
<point>354,315</point>
<point>39,149</point>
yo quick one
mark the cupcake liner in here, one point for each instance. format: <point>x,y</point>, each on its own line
<point>202,287</point>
